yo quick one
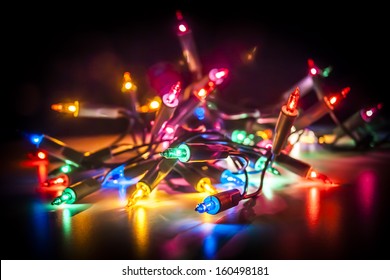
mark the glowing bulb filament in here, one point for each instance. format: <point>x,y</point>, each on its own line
<point>141,191</point>
<point>171,97</point>
<point>292,101</point>
<point>204,185</point>
<point>70,108</point>
<point>128,85</point>
<point>182,28</point>
<point>174,153</point>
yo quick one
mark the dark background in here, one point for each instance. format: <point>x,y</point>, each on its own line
<point>55,54</point>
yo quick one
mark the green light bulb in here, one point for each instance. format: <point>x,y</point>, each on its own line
<point>273,171</point>
<point>326,71</point>
<point>68,196</point>
<point>182,153</point>
<point>66,169</point>
<point>238,136</point>
<point>260,164</point>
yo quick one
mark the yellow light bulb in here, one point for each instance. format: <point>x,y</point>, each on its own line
<point>154,105</point>
<point>205,185</point>
<point>128,85</point>
<point>142,190</point>
<point>72,108</point>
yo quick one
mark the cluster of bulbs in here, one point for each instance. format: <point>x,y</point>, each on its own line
<point>189,136</point>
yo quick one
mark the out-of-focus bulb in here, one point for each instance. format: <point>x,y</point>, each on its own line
<point>68,108</point>
<point>128,85</point>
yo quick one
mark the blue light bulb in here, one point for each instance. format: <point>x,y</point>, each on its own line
<point>36,139</point>
<point>229,177</point>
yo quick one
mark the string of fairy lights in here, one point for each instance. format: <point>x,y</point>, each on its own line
<point>189,136</point>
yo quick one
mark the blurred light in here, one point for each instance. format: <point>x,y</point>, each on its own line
<point>68,108</point>
<point>171,98</point>
<point>154,105</point>
<point>36,139</point>
<point>200,113</point>
<point>292,102</point>
<point>41,155</point>
<point>313,208</point>
<point>141,232</point>
<point>128,86</point>
<point>182,28</point>
<point>369,113</point>
<point>66,168</point>
<point>333,99</point>
<point>218,75</point>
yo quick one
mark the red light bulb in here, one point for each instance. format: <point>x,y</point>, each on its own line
<point>292,101</point>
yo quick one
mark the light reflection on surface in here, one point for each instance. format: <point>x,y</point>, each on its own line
<point>122,195</point>
<point>331,221</point>
<point>367,182</point>
<point>67,226</point>
<point>40,225</point>
<point>312,208</point>
<point>42,173</point>
<point>141,231</point>
<point>77,226</point>
<point>210,246</point>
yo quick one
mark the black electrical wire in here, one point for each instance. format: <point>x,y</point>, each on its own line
<point>257,192</point>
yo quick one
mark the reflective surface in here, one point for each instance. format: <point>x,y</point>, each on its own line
<point>292,219</point>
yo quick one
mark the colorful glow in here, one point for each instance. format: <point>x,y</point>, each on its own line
<point>315,175</point>
<point>264,134</point>
<point>205,185</point>
<point>42,172</point>
<point>68,196</point>
<point>218,75</point>
<point>67,224</point>
<point>326,71</point>
<point>152,105</point>
<point>369,113</point>
<point>333,99</point>
<point>38,155</point>
<point>128,85</point>
<point>200,113</point>
<point>182,28</point>
<point>142,190</point>
<point>61,180</point>
<point>68,108</point>
<point>182,153</point>
<point>171,98</point>
<point>313,208</point>
<point>202,93</point>
<point>313,68</point>
<point>249,56</point>
<point>292,102</point>
<point>66,168</point>
<point>219,202</point>
<point>228,177</point>
<point>367,185</point>
<point>36,139</point>
<point>209,205</point>
<point>41,155</point>
<point>141,231</point>
<point>238,136</point>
